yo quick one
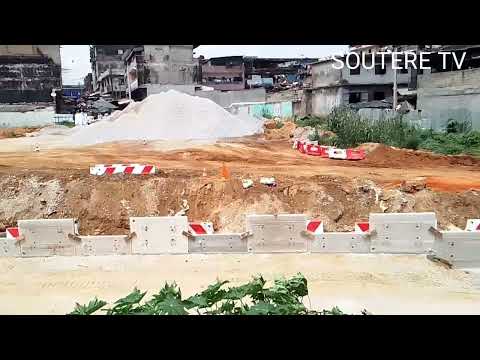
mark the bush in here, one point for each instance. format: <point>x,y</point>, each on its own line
<point>285,297</point>
<point>352,130</point>
<point>312,121</point>
<point>278,124</point>
<point>453,143</point>
<point>454,126</point>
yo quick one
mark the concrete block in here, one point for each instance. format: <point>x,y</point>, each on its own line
<point>159,235</point>
<point>217,243</point>
<point>459,248</point>
<point>9,247</point>
<point>104,245</point>
<point>402,233</point>
<point>48,237</point>
<point>338,242</point>
<point>277,233</point>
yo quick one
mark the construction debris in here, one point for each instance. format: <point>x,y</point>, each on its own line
<point>269,181</point>
<point>247,183</point>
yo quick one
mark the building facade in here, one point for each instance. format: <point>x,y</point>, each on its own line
<point>445,94</point>
<point>242,72</point>
<point>332,87</point>
<point>153,68</point>
<point>108,70</point>
<point>29,73</point>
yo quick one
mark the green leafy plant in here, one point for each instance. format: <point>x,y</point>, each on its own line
<point>285,297</point>
<point>278,124</point>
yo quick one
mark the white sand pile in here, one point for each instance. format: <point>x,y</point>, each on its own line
<point>169,115</point>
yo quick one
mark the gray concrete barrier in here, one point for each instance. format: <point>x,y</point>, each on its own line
<point>458,248</point>
<point>402,233</point>
<point>398,233</point>
<point>48,237</point>
<point>218,243</point>
<point>104,245</point>
<point>340,242</point>
<point>277,233</point>
<point>159,235</point>
<point>9,247</point>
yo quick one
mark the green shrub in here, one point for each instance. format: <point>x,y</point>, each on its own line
<point>278,124</point>
<point>454,126</point>
<point>312,121</point>
<point>285,297</point>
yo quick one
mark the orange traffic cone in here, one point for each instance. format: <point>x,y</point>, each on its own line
<point>225,173</point>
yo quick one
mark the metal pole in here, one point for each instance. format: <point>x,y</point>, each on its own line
<point>128,83</point>
<point>394,84</point>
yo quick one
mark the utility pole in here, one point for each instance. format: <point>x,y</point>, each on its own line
<point>394,82</point>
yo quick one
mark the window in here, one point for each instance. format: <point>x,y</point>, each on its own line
<point>403,68</point>
<point>352,63</point>
<point>378,68</point>
<point>120,52</point>
<point>378,95</point>
<point>354,97</point>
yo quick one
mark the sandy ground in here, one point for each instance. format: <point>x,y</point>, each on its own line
<point>382,284</point>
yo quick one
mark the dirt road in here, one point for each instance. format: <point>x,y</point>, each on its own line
<point>56,183</point>
<point>382,284</point>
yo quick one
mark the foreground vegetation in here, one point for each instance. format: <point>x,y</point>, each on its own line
<point>352,130</point>
<point>285,297</point>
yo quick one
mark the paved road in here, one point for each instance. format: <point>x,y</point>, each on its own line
<point>383,284</point>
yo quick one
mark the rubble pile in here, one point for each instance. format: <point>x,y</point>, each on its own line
<point>168,115</point>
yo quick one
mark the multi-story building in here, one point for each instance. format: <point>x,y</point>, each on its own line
<point>108,69</point>
<point>153,68</point>
<point>29,73</point>
<point>244,72</point>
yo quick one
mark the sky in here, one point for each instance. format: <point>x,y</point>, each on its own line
<point>76,58</point>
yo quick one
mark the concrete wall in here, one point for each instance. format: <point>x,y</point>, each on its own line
<point>226,98</point>
<point>285,95</point>
<point>450,95</point>
<point>222,98</point>
<point>323,74</point>
<point>325,99</point>
<point>169,64</point>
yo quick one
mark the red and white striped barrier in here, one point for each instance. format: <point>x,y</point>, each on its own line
<point>12,232</point>
<point>473,225</point>
<point>134,169</point>
<point>362,227</point>
<point>318,150</point>
<point>315,226</point>
<point>313,149</point>
<point>201,228</point>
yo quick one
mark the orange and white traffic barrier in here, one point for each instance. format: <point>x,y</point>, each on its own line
<point>134,169</point>
<point>353,154</point>
<point>315,226</point>
<point>201,228</point>
<point>362,227</point>
<point>312,148</point>
<point>473,225</point>
<point>318,150</point>
<point>12,232</point>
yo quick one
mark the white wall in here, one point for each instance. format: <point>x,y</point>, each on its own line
<point>324,100</point>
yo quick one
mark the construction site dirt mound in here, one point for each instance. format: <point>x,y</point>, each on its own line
<point>6,133</point>
<point>387,156</point>
<point>284,132</point>
<point>104,204</point>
